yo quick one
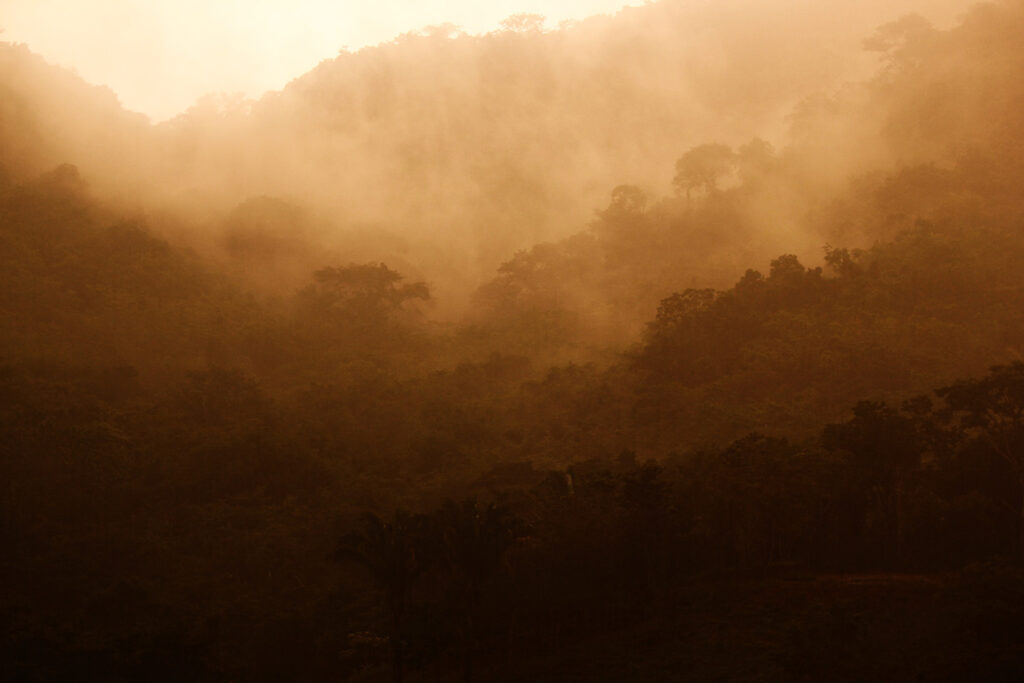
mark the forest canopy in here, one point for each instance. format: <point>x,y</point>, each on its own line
<point>475,356</point>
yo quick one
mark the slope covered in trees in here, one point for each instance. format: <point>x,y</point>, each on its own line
<point>465,148</point>
<point>239,446</point>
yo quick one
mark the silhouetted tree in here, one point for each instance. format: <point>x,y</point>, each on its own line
<point>368,293</point>
<point>702,166</point>
<point>393,554</point>
<point>361,310</point>
<point>886,451</point>
<point>474,538</point>
<point>992,409</point>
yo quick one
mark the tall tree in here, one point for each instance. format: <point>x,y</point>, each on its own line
<point>474,537</point>
<point>393,554</point>
<point>885,450</point>
<point>992,409</point>
<point>702,167</point>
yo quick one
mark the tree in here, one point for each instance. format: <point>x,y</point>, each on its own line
<point>628,201</point>
<point>677,341</point>
<point>369,292</point>
<point>679,309</point>
<point>992,409</point>
<point>393,553</point>
<point>702,166</point>
<point>644,501</point>
<point>843,262</point>
<point>474,538</point>
<point>524,22</point>
<point>364,306</point>
<point>885,449</point>
<point>755,160</point>
<point>894,39</point>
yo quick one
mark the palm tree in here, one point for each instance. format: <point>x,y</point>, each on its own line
<point>474,538</point>
<point>392,553</point>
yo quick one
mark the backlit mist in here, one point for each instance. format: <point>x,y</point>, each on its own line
<point>512,341</point>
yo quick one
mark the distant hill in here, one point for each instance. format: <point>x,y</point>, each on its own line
<point>479,144</point>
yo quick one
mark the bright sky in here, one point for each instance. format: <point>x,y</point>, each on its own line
<point>159,56</point>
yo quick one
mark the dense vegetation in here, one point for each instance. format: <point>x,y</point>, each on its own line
<point>218,464</point>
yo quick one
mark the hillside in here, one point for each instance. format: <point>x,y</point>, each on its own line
<point>413,371</point>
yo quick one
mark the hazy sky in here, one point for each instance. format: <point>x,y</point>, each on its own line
<point>159,56</point>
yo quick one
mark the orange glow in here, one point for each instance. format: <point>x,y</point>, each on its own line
<point>160,57</point>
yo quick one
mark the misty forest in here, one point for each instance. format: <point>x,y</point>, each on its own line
<point>684,343</point>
